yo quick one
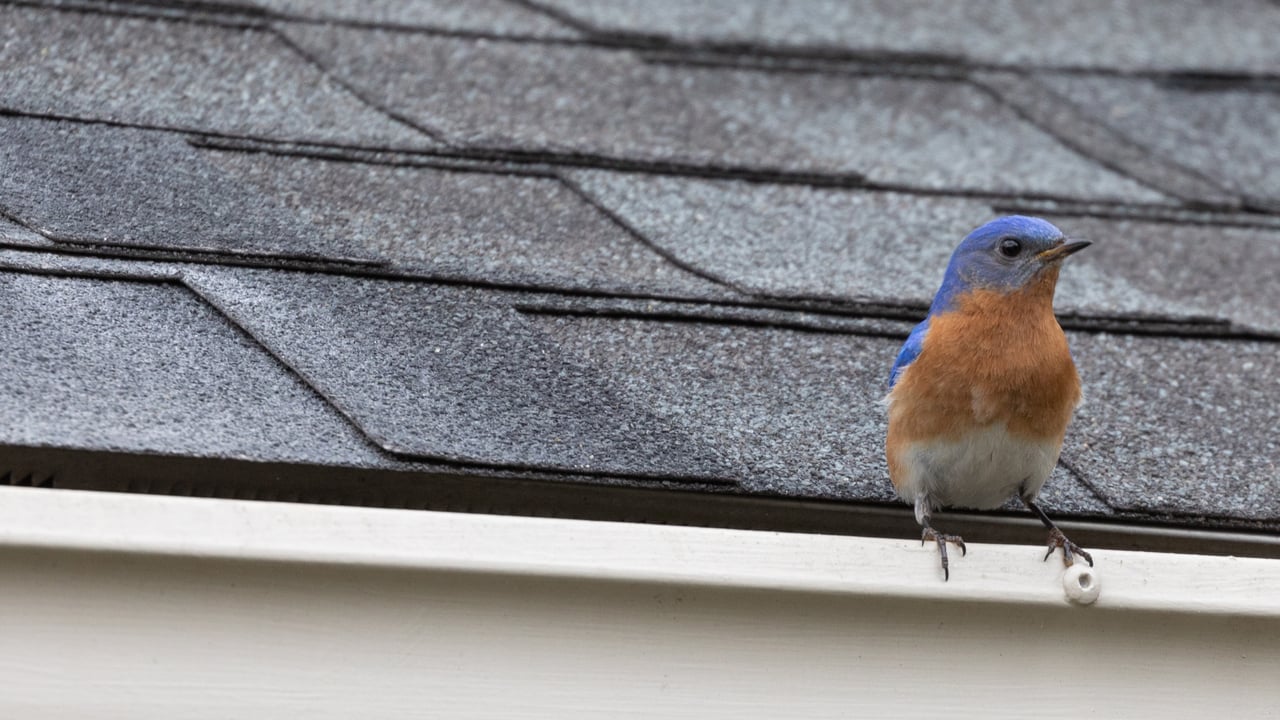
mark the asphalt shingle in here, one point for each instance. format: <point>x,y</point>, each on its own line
<point>16,235</point>
<point>146,367</point>
<point>42,259</point>
<point>1226,132</point>
<point>496,17</point>
<point>581,101</point>
<point>1076,128</point>
<point>436,372</point>
<point>1179,268</point>
<point>65,179</point>
<point>461,224</point>
<point>1179,426</point>
<point>1130,35</point>
<point>799,411</point>
<point>853,245</point>
<point>656,244</point>
<point>178,75</point>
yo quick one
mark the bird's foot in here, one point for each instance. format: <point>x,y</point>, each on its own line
<point>942,540</point>
<point>1069,549</point>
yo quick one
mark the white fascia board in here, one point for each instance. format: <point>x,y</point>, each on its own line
<point>633,552</point>
<point>148,606</point>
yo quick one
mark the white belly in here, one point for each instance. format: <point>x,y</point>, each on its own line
<point>981,470</point>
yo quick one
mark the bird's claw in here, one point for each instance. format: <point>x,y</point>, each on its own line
<point>1058,540</point>
<point>942,540</point>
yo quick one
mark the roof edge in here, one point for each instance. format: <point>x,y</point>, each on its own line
<point>595,551</point>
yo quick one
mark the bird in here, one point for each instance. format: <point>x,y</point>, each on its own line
<point>983,389</point>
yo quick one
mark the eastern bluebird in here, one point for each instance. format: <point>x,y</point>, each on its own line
<point>982,391</point>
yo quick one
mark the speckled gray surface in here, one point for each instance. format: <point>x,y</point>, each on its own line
<point>1125,35</point>
<point>44,260</point>
<point>147,367</point>
<point>855,245</point>
<point>1228,134</point>
<point>436,372</point>
<point>1095,138</point>
<point>17,235</point>
<point>577,100</point>
<point>1179,426</point>
<point>178,75</point>
<point>497,17</point>
<point>557,289</point>
<point>479,226</point>
<point>65,180</point>
<point>800,412</point>
<point>1228,272</point>
<point>792,240</point>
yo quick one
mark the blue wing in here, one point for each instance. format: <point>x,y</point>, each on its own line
<point>909,352</point>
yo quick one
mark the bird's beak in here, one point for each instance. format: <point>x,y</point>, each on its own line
<point>1058,252</point>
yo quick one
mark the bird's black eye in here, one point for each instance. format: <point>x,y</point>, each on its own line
<point>1010,248</point>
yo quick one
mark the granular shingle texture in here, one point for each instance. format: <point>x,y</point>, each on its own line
<point>65,179</point>
<point>667,247</point>
<point>800,412</point>
<point>1228,133</point>
<point>1179,426</point>
<point>437,373</point>
<point>496,17</point>
<point>1086,133</point>
<point>1129,35</point>
<point>198,77</point>
<point>147,367</point>
<point>12,233</point>
<point>575,100</point>
<point>463,224</point>
<point>1225,272</point>
<point>803,242</point>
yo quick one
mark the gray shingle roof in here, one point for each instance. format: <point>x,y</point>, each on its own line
<point>661,245</point>
<point>198,77</point>
<point>1125,36</point>
<point>147,367</point>
<point>1224,130</point>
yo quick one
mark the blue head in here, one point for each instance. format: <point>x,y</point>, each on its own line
<point>1004,255</point>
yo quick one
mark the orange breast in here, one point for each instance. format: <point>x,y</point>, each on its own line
<point>995,358</point>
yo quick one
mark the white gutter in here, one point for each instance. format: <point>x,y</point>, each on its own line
<point>137,606</point>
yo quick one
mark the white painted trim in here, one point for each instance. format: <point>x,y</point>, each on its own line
<point>121,605</point>
<point>251,530</point>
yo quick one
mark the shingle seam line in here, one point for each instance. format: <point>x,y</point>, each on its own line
<point>434,133</point>
<point>213,253</point>
<point>390,446</point>
<point>705,318</point>
<point>558,16</point>
<point>386,272</point>
<point>155,278</point>
<point>246,17</point>
<point>460,160</point>
<point>1055,130</point>
<point>543,162</point>
<point>1151,213</point>
<point>235,20</point>
<point>640,237</point>
<point>1114,326</point>
<point>389,158</point>
<point>212,302</point>
<point>192,131</point>
<point>889,310</point>
<point>380,445</point>
<point>1088,484</point>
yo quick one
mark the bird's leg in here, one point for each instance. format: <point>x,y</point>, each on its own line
<point>1057,539</point>
<point>928,533</point>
